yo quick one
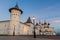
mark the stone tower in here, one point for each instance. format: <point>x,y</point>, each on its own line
<point>30,25</point>
<point>15,14</point>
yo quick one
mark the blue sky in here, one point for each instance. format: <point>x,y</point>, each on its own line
<point>48,10</point>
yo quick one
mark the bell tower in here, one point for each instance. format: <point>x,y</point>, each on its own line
<point>15,14</point>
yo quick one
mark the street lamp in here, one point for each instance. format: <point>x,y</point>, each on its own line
<point>33,18</point>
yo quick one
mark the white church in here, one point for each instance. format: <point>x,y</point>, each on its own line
<point>15,27</point>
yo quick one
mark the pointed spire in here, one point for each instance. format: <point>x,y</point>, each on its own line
<point>37,24</point>
<point>48,23</point>
<point>16,6</point>
<point>29,20</point>
<point>45,22</point>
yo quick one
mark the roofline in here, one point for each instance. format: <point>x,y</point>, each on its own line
<point>15,9</point>
<point>5,21</point>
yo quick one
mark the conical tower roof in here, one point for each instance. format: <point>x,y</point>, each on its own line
<point>48,23</point>
<point>45,22</point>
<point>29,20</point>
<point>16,8</point>
<point>37,24</point>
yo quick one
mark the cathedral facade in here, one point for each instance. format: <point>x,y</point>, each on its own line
<point>15,27</point>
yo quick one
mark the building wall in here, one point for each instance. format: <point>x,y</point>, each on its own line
<point>4,27</point>
<point>23,29</point>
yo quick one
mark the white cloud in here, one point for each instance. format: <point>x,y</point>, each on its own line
<point>55,21</point>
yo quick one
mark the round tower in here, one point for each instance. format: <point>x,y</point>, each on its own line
<point>15,14</point>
